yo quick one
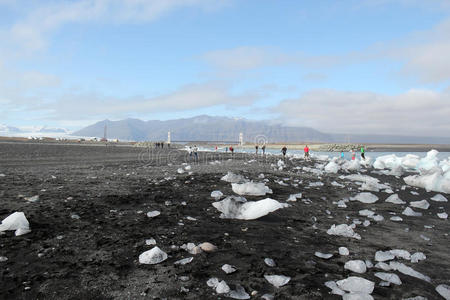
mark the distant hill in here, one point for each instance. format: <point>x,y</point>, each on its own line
<point>202,128</point>
<point>210,129</point>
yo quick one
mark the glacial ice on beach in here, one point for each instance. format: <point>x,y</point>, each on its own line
<point>439,198</point>
<point>277,280</point>
<point>354,284</point>
<point>357,296</point>
<point>238,293</point>
<point>233,178</point>
<point>343,230</point>
<point>152,214</point>
<point>332,167</point>
<point>251,188</point>
<point>436,181</point>
<point>222,287</point>
<point>444,291</point>
<point>16,221</point>
<point>395,199</point>
<point>442,215</point>
<point>183,261</point>
<point>216,194</point>
<point>343,251</point>
<point>411,213</point>
<point>334,288</point>
<point>389,277</point>
<point>423,204</point>
<point>294,197</point>
<point>418,256</point>
<point>153,256</point>
<point>323,255</point>
<point>357,266</point>
<point>239,208</point>
<point>228,268</point>
<point>270,262</point>
<point>402,268</point>
<point>365,197</point>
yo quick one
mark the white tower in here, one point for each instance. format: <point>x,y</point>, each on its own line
<point>241,139</point>
<point>168,137</point>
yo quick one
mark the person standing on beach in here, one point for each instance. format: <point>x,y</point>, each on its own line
<point>353,155</point>
<point>362,153</point>
<point>232,150</point>
<point>256,148</point>
<point>342,155</point>
<point>195,150</point>
<point>263,149</point>
<point>306,150</point>
<point>284,150</point>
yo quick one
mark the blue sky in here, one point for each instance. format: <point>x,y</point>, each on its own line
<point>366,66</point>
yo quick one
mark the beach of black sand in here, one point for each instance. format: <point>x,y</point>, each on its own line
<point>89,227</point>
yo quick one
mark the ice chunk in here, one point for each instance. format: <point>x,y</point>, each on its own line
<point>233,178</point>
<point>444,291</point>
<point>396,219</point>
<point>389,277</point>
<point>3,258</point>
<point>32,199</point>
<point>184,261</point>
<point>216,194</point>
<point>368,263</point>
<point>236,208</point>
<point>228,268</point>
<point>357,266</point>
<point>439,198</point>
<point>150,242</point>
<point>423,204</point>
<point>277,280</point>
<point>365,197</point>
<point>207,247</point>
<point>357,296</point>
<point>332,167</point>
<point>384,255</point>
<point>395,199</point>
<point>180,171</point>
<point>354,284</point>
<point>442,215</point>
<point>294,197</point>
<point>251,188</point>
<point>238,293</point>
<point>222,287</point>
<point>383,266</point>
<point>334,288</point>
<point>316,184</point>
<point>418,256</point>
<point>270,262</point>
<point>366,212</point>
<point>16,221</point>
<point>411,213</point>
<point>153,256</point>
<point>343,251</point>
<point>343,230</point>
<point>437,181</point>
<point>408,271</point>
<point>152,214</point>
<point>213,282</point>
<point>399,253</point>
<point>323,255</point>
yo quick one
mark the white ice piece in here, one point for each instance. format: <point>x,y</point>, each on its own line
<point>238,293</point>
<point>383,266</point>
<point>389,277</point>
<point>294,197</point>
<point>411,213</point>
<point>216,194</point>
<point>384,256</point>
<point>439,198</point>
<point>233,178</point>
<point>365,197</point>
<point>277,280</point>
<point>213,282</point>
<point>357,266</point>
<point>395,199</point>
<point>222,287</point>
<point>442,215</point>
<point>436,181</point>
<point>251,188</point>
<point>366,213</point>
<point>418,256</point>
<point>150,242</point>
<point>332,167</point>
<point>396,219</point>
<point>228,268</point>
<point>153,256</point>
<point>423,204</point>
<point>402,268</point>
<point>334,288</point>
<point>184,261</point>
<point>323,255</point>
<point>16,221</point>
<point>270,262</point>
<point>343,230</point>
<point>152,214</point>
<point>344,251</point>
<point>354,284</point>
<point>239,208</point>
<point>444,291</point>
<point>180,171</point>
<point>357,296</point>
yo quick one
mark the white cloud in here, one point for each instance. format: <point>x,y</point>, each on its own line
<point>189,97</point>
<point>415,112</point>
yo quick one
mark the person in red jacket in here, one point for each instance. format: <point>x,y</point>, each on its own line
<point>306,149</point>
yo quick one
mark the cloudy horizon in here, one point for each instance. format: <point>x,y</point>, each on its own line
<point>361,67</point>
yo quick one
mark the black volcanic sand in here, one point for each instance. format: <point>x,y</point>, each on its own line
<point>112,188</point>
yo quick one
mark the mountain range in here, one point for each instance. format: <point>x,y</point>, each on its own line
<point>223,129</point>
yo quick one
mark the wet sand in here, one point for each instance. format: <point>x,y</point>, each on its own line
<point>112,188</point>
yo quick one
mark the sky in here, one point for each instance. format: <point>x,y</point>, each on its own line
<point>359,66</point>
